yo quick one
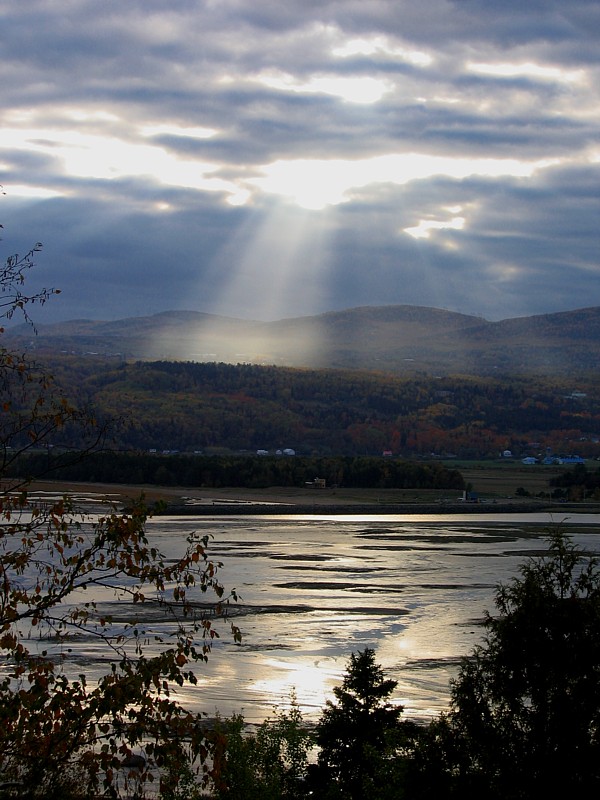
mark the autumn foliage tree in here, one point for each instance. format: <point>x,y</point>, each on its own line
<point>61,735</point>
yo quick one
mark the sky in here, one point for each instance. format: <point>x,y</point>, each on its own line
<point>268,159</point>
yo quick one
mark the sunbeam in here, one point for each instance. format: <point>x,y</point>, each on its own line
<point>273,268</point>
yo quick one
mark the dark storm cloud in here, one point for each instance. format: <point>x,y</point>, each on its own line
<point>154,148</point>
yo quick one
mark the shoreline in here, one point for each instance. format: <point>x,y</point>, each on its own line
<point>293,501</point>
<point>248,508</point>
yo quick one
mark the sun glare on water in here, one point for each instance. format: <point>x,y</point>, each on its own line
<point>308,682</point>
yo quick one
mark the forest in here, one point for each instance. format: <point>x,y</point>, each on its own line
<point>215,408</point>
<point>237,471</point>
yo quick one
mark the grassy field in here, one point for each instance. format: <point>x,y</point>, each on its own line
<point>500,480</point>
<point>489,480</point>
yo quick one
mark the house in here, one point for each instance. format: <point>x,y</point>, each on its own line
<point>570,460</point>
<point>470,497</point>
<point>317,483</point>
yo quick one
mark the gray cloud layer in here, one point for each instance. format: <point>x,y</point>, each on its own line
<point>266,159</point>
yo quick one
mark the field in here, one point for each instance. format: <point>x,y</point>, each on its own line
<point>501,479</point>
<point>489,480</point>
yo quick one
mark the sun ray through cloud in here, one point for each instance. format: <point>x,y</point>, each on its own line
<point>157,131</point>
<point>270,269</point>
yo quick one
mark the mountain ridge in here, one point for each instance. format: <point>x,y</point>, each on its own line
<point>392,338</point>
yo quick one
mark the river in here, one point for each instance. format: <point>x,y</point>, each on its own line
<point>314,589</point>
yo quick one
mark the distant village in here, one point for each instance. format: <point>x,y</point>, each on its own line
<point>548,459</point>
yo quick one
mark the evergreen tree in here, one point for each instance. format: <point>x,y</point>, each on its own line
<point>525,716</point>
<point>360,736</point>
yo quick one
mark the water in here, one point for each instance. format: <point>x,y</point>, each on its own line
<point>314,589</point>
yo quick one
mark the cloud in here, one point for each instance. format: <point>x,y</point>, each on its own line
<point>274,159</point>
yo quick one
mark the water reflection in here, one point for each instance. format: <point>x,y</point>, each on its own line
<point>312,590</point>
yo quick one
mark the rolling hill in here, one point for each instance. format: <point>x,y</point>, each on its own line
<point>398,339</point>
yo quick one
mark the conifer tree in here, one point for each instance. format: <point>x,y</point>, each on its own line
<point>525,714</point>
<point>360,736</point>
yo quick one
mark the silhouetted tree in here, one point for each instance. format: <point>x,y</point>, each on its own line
<point>360,736</point>
<point>59,734</point>
<point>525,715</point>
<point>268,765</point>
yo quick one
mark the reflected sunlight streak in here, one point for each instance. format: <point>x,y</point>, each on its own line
<point>309,682</point>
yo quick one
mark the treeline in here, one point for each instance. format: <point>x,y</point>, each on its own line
<point>580,483</point>
<point>237,471</point>
<point>216,407</point>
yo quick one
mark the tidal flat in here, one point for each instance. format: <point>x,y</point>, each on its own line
<point>311,590</point>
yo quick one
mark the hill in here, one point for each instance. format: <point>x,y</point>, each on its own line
<point>213,408</point>
<point>397,339</point>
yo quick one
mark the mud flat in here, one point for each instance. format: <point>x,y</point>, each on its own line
<point>289,501</point>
